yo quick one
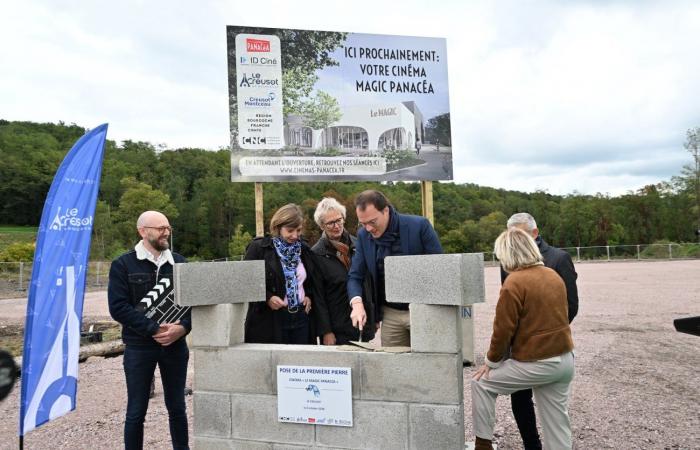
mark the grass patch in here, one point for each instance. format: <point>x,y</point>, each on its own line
<point>11,234</point>
<point>14,229</point>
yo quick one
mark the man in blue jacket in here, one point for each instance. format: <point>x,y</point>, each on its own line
<point>560,261</point>
<point>385,232</point>
<point>148,343</point>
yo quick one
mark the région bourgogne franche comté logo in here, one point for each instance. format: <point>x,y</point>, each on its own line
<point>70,220</point>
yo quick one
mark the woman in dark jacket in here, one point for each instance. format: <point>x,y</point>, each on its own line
<point>286,316</point>
<point>334,251</point>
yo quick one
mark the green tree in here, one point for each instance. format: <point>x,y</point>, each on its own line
<point>438,128</point>
<point>238,243</point>
<point>321,111</point>
<point>137,198</point>
<point>691,172</point>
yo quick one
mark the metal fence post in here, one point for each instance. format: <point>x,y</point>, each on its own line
<point>607,251</point>
<point>670,252</point>
<point>21,275</point>
<point>578,254</point>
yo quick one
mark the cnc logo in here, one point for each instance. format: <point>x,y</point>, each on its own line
<point>70,221</point>
<point>254,140</point>
<point>257,45</point>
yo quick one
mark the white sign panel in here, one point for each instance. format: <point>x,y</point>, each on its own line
<point>315,395</point>
<point>298,99</point>
<point>259,79</point>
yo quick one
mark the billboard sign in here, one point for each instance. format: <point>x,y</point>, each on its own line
<point>316,105</point>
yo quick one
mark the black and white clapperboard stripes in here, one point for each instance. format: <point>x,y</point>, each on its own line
<point>159,303</point>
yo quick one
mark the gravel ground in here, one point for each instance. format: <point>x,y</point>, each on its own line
<point>635,386</point>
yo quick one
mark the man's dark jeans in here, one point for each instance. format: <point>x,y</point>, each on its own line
<point>524,413</point>
<point>139,366</point>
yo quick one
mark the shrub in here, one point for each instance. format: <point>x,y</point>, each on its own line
<point>19,251</point>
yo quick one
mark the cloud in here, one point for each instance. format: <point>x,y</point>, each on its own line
<point>587,96</point>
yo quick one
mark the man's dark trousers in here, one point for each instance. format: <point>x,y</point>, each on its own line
<point>139,365</point>
<point>524,413</point>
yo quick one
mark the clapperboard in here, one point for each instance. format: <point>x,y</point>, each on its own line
<point>159,303</point>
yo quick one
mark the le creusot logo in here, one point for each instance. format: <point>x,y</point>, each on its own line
<point>70,220</point>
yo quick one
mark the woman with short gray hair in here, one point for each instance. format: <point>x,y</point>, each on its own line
<point>334,252</point>
<point>531,344</point>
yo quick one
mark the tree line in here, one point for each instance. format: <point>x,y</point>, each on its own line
<point>215,218</point>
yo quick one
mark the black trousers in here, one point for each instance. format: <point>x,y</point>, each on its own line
<point>524,413</point>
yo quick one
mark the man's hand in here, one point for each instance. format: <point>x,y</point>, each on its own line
<point>169,333</point>
<point>358,316</point>
<point>276,303</point>
<point>307,304</point>
<point>482,371</point>
<point>329,339</point>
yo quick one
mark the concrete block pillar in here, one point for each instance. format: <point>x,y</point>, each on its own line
<point>440,289</point>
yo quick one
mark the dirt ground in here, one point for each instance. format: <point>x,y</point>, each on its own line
<point>636,383</point>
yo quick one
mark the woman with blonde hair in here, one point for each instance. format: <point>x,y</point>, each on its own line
<point>286,316</point>
<point>531,345</point>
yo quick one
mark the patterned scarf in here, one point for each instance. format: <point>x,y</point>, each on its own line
<point>342,250</point>
<point>290,255</point>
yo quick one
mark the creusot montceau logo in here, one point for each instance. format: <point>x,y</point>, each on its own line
<point>71,220</point>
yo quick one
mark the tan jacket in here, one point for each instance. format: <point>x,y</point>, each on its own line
<point>531,317</point>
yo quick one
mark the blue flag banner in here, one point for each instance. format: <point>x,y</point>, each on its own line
<point>55,303</point>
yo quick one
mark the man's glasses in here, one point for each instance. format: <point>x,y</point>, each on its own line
<point>370,223</point>
<point>161,230</point>
<point>334,223</point>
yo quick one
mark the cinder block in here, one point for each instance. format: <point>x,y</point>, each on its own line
<point>317,356</point>
<point>254,417</point>
<point>436,426</point>
<point>467,334</point>
<point>242,368</point>
<point>303,447</point>
<point>212,414</point>
<point>451,279</point>
<point>412,377</point>
<point>218,325</point>
<point>213,283</point>
<point>376,425</point>
<point>207,443</point>
<point>435,328</point>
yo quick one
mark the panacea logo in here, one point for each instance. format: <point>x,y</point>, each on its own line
<point>70,221</point>
<point>257,45</point>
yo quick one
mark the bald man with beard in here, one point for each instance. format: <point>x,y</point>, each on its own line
<point>147,343</point>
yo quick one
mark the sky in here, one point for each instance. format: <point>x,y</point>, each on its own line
<point>557,96</point>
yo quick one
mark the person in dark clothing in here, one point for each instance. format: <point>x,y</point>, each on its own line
<point>147,343</point>
<point>335,249</point>
<point>385,232</point>
<point>560,261</point>
<point>286,316</point>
